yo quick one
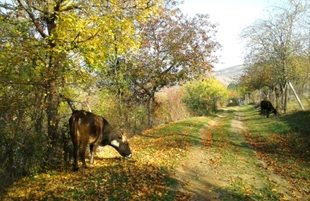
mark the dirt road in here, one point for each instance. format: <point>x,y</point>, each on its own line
<point>224,167</point>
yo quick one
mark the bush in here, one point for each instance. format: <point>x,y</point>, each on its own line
<point>203,97</point>
<point>24,145</point>
<point>170,106</point>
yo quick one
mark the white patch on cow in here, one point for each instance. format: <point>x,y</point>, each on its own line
<point>129,156</point>
<point>115,143</point>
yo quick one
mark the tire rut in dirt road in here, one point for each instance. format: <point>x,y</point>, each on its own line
<point>195,171</point>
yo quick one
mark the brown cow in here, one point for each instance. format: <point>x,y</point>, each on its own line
<point>88,128</point>
<point>266,107</point>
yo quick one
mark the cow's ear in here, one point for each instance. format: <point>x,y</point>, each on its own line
<point>124,137</point>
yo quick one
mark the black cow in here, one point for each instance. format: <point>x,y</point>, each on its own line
<point>266,107</point>
<point>88,128</point>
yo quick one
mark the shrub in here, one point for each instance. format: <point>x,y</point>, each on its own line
<point>203,97</point>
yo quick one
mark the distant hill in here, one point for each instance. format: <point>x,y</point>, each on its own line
<point>229,75</point>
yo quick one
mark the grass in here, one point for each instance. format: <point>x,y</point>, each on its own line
<point>282,142</point>
<point>247,181</point>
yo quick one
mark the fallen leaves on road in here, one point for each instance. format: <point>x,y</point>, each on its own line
<point>144,177</point>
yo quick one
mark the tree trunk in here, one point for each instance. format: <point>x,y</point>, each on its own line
<point>285,98</point>
<point>149,112</point>
<point>277,94</point>
<point>51,111</point>
<point>150,108</point>
<point>123,112</point>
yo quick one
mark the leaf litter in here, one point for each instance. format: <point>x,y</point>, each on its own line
<point>226,163</point>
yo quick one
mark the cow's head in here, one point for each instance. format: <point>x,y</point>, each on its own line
<point>121,144</point>
<point>274,111</point>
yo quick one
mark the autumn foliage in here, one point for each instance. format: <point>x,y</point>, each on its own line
<point>108,56</point>
<point>202,96</point>
<point>147,176</point>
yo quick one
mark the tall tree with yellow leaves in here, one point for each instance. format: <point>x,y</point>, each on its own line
<point>51,43</point>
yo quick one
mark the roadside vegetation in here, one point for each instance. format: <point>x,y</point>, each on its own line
<point>145,177</point>
<point>252,163</point>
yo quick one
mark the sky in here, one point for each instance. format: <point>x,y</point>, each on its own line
<point>232,16</point>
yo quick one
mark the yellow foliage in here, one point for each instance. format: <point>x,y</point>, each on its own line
<point>202,96</point>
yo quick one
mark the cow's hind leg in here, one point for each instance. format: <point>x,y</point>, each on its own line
<point>263,113</point>
<point>82,155</point>
<point>75,157</point>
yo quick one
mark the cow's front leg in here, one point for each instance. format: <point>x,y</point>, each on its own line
<point>92,149</point>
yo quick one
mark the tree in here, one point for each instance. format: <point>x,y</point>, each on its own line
<point>174,48</point>
<point>48,47</point>
<point>62,35</point>
<point>273,45</point>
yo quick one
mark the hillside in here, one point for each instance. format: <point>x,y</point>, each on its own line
<point>229,75</point>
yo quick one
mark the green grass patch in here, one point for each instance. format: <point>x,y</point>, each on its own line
<point>283,142</point>
<point>238,157</point>
<point>171,194</point>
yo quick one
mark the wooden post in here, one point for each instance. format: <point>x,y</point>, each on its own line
<point>296,96</point>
